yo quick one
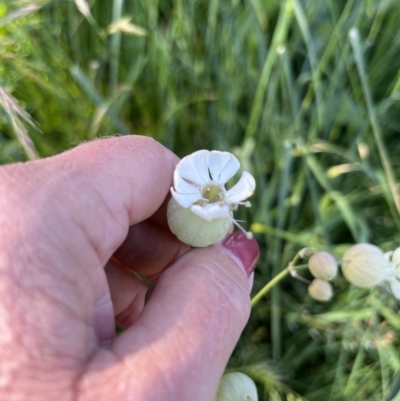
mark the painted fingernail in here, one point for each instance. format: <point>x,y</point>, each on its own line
<point>245,252</point>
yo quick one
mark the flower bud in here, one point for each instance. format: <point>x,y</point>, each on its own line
<point>320,290</point>
<point>364,265</point>
<point>192,229</point>
<point>323,265</point>
<point>236,387</point>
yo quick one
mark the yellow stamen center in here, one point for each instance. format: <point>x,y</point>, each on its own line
<point>213,193</point>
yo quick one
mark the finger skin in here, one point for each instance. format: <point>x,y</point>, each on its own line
<point>61,219</point>
<point>128,293</point>
<point>149,248</point>
<point>84,201</point>
<point>131,176</point>
<point>104,186</point>
<point>185,334</point>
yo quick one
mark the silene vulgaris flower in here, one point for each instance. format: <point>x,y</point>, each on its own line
<point>393,273</point>
<point>200,211</point>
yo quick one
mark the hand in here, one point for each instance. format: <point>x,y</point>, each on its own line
<point>73,230</point>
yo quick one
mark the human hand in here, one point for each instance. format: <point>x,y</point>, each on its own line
<point>72,230</point>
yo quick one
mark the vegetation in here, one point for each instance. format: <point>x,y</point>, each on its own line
<point>306,93</point>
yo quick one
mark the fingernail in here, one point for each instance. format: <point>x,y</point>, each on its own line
<point>245,252</point>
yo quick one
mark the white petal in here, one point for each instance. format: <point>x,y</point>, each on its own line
<point>395,288</point>
<point>194,168</point>
<point>390,272</point>
<point>388,256</point>
<point>185,200</point>
<point>183,187</point>
<point>211,211</point>
<point>223,166</point>
<point>396,257</point>
<point>242,190</point>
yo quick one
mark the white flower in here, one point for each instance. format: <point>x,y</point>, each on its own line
<point>200,211</point>
<point>393,272</point>
<point>395,288</point>
<point>199,185</point>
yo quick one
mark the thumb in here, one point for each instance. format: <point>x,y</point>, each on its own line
<point>179,346</point>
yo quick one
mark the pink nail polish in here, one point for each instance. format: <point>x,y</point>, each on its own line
<point>244,251</point>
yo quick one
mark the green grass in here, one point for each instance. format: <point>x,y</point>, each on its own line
<point>310,110</point>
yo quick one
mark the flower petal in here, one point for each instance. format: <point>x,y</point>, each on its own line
<point>183,187</point>
<point>211,211</point>
<point>223,166</point>
<point>388,256</point>
<point>185,200</point>
<point>242,190</point>
<point>396,257</point>
<point>390,272</point>
<point>194,168</point>
<point>395,288</point>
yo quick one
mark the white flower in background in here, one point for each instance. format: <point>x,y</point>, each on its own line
<point>393,274</point>
<point>364,265</point>
<point>237,386</point>
<point>199,189</point>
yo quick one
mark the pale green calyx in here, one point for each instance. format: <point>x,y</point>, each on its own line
<point>364,265</point>
<point>320,290</point>
<point>200,211</point>
<point>192,229</point>
<point>323,265</point>
<point>236,387</point>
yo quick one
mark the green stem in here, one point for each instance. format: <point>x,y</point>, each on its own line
<point>290,267</point>
<point>269,285</point>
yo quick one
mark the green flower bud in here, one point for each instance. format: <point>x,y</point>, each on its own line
<point>237,387</point>
<point>364,265</point>
<point>192,229</point>
<point>323,265</point>
<point>320,290</point>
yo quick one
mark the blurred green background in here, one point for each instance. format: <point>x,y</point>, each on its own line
<point>306,93</point>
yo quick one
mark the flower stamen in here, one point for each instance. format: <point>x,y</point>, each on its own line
<point>213,193</point>
<point>249,234</point>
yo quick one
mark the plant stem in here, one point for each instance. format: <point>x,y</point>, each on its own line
<point>290,267</point>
